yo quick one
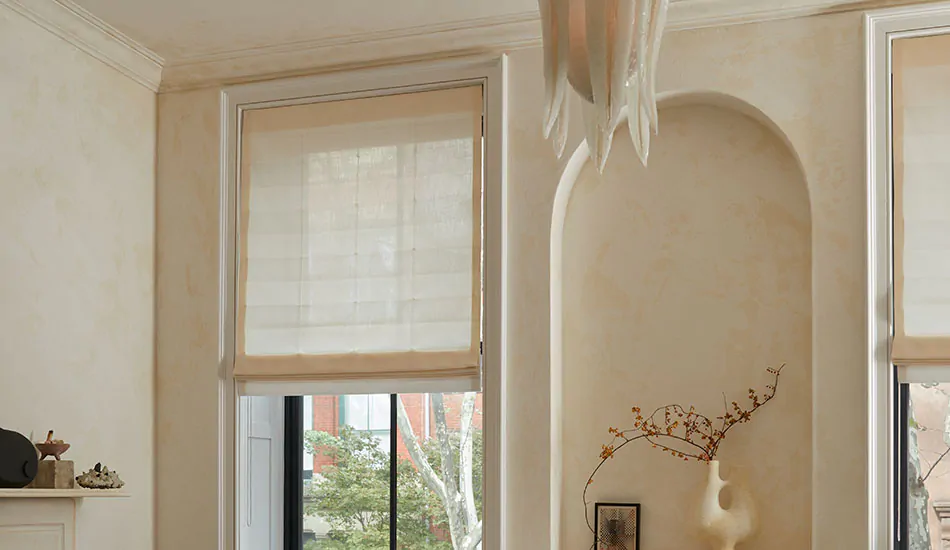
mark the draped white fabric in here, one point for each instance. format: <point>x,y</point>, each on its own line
<point>922,200</point>
<point>361,250</point>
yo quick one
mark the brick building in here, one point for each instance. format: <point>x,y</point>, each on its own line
<point>331,412</point>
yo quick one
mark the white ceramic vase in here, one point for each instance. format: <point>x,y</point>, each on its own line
<point>726,527</point>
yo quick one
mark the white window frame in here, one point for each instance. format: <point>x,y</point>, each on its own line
<point>881,29</point>
<point>491,73</point>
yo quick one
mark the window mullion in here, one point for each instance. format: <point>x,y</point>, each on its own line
<point>901,465</point>
<point>392,470</point>
<point>293,473</point>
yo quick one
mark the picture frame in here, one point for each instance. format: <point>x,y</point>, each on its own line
<point>617,526</point>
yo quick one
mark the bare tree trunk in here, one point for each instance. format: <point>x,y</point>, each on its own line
<point>453,502</point>
<point>918,498</point>
<point>465,534</point>
<point>418,456</point>
<point>466,448</point>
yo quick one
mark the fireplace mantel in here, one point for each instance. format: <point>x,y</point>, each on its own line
<point>44,519</point>
<point>62,493</point>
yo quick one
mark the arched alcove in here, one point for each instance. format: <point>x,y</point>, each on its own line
<point>674,284</point>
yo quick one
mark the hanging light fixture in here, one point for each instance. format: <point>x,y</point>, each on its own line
<point>607,51</point>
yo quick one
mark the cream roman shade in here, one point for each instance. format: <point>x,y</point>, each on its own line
<point>360,239</point>
<point>921,141</point>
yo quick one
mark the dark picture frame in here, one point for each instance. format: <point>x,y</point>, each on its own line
<point>616,537</point>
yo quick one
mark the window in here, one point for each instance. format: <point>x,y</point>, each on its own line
<point>926,466</point>
<point>427,483</point>
<point>366,315</point>
<point>369,414</point>
<point>921,289</point>
<point>361,251</point>
<point>921,201</point>
<point>366,412</point>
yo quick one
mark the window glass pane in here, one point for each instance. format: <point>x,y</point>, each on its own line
<point>346,502</point>
<point>356,411</point>
<point>307,426</point>
<point>346,499</point>
<point>440,445</point>
<point>379,418</point>
<point>383,441</point>
<point>928,463</point>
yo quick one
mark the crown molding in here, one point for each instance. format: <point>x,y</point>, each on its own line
<point>471,37</point>
<point>93,36</point>
<point>698,14</point>
<point>479,36</point>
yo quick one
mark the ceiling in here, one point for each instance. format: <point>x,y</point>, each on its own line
<point>192,43</point>
<point>186,29</point>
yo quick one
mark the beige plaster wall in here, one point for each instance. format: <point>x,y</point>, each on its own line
<point>187,290</point>
<point>684,281</point>
<point>77,160</point>
<point>805,74</point>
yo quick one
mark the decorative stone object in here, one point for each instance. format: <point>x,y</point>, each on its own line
<point>55,474</point>
<point>52,447</point>
<point>726,527</point>
<point>100,477</point>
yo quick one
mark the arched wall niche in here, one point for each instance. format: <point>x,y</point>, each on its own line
<point>671,285</point>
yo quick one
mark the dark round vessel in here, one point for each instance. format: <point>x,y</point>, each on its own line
<point>18,460</point>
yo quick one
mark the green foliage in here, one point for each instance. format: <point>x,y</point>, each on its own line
<point>352,496</point>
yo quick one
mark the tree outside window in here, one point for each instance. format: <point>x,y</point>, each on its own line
<point>438,474</point>
<point>928,465</point>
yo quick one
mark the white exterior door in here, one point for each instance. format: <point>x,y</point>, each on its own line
<point>261,447</point>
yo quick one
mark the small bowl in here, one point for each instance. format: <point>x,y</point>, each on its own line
<point>54,450</point>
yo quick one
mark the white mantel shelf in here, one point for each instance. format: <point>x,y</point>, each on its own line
<point>62,493</point>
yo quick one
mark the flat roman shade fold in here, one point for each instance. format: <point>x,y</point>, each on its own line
<point>360,240</point>
<point>921,141</point>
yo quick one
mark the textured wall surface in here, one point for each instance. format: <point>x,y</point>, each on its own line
<point>77,168</point>
<point>187,320</point>
<point>806,75</point>
<point>680,283</point>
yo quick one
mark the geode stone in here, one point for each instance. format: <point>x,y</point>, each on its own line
<point>100,477</point>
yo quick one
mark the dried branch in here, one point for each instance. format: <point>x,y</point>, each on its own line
<point>675,425</point>
<point>934,465</point>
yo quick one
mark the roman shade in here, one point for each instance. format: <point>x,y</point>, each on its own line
<point>921,153</point>
<point>360,242</point>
